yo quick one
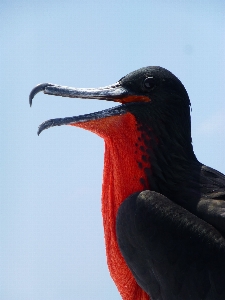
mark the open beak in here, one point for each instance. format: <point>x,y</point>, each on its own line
<point>115,92</point>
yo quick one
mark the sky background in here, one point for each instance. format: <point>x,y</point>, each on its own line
<point>51,234</point>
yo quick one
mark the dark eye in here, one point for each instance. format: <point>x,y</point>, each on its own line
<point>149,83</point>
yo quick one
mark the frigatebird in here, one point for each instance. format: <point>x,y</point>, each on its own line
<point>163,210</point>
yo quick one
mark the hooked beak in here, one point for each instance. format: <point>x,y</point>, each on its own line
<point>115,92</point>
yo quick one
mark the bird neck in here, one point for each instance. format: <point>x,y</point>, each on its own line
<point>167,145</point>
<point>139,155</point>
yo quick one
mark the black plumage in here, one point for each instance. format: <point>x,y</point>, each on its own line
<point>171,233</point>
<point>172,238</point>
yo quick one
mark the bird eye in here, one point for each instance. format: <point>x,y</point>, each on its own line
<point>149,83</point>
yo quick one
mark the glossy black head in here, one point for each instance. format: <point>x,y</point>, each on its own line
<point>156,83</point>
<point>168,108</point>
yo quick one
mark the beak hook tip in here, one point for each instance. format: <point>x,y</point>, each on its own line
<point>39,88</point>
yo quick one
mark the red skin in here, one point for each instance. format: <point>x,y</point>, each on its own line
<point>121,178</point>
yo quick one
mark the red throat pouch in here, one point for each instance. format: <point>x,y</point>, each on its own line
<point>123,175</point>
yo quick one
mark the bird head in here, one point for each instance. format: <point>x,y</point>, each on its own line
<point>150,90</point>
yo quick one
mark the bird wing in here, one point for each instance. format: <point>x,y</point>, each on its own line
<point>172,254</point>
<point>211,206</point>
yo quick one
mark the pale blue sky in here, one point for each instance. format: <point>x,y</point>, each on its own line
<point>51,236</point>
